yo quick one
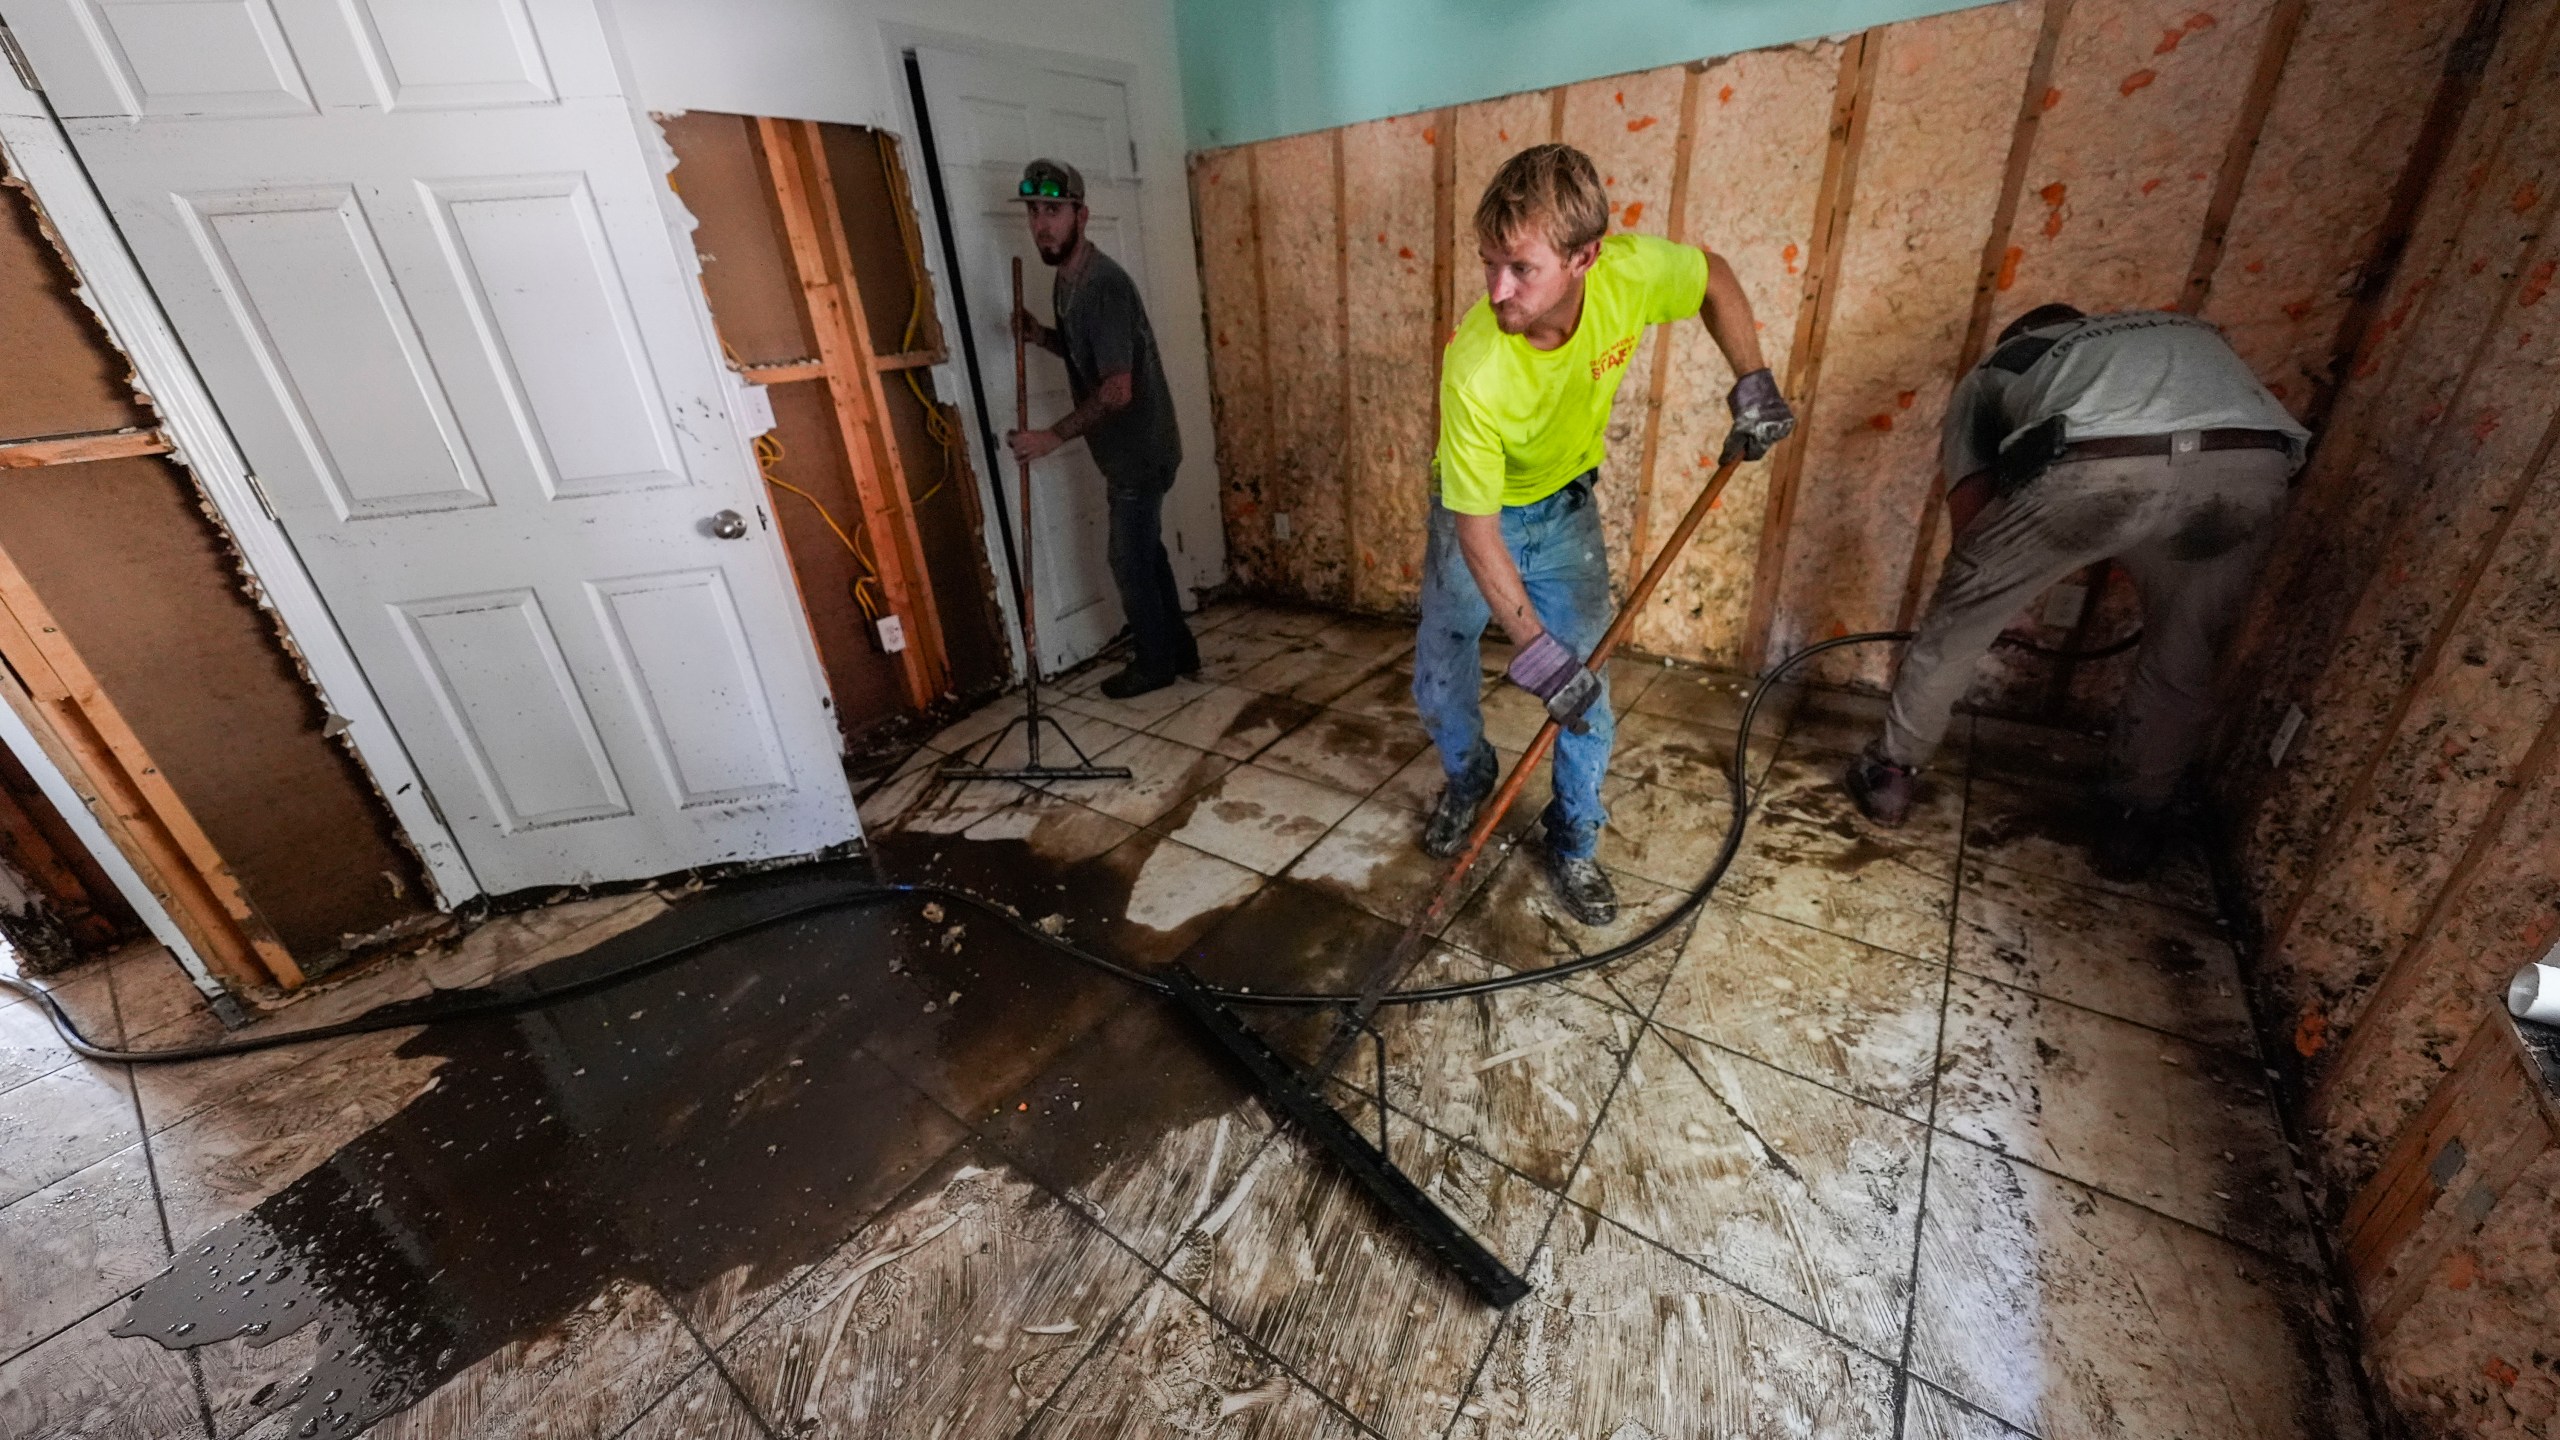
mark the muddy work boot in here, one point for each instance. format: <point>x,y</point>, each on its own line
<point>1454,813</point>
<point>1451,819</point>
<point>1882,789</point>
<point>1584,888</point>
<point>2129,844</point>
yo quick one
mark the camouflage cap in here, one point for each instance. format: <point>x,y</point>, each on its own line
<point>1051,180</point>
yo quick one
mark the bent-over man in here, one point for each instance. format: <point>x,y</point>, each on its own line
<point>1526,385</point>
<point>2139,437</point>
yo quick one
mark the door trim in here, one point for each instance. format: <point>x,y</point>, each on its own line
<point>40,154</point>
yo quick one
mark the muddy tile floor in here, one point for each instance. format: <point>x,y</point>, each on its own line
<point>1927,1133</point>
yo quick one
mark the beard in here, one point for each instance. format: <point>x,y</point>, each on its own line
<point>1059,256</point>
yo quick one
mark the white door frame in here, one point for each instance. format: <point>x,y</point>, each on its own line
<point>40,154</point>
<point>897,38</point>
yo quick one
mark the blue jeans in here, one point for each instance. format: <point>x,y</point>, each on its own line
<point>1564,561</point>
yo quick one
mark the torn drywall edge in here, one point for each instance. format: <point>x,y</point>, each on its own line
<point>39,157</point>
<point>332,725</point>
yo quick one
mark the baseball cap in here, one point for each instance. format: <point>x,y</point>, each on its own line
<point>1050,180</point>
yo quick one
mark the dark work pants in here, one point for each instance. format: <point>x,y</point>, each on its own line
<point>2192,529</point>
<point>1144,574</point>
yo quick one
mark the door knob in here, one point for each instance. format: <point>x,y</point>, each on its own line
<point>729,525</point>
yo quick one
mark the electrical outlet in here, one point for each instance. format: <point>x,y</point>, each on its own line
<point>1280,525</point>
<point>893,635</point>
<point>2292,726</point>
<point>755,410</point>
<point>2062,605</point>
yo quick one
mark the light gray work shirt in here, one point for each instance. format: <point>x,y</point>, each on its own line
<point>2141,372</point>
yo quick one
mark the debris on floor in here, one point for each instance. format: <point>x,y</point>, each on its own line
<point>1920,1132</point>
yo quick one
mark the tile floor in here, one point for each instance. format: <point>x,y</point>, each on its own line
<point>1925,1133</point>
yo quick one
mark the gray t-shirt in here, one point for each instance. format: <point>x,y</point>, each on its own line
<point>2141,372</point>
<point>1102,326</point>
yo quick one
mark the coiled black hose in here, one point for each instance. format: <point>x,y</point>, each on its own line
<point>467,1004</point>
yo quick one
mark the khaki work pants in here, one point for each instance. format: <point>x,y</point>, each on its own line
<point>2192,529</point>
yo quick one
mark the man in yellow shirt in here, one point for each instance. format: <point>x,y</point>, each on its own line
<point>1525,390</point>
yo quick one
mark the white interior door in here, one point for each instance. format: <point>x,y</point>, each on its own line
<point>991,116</point>
<point>420,253</point>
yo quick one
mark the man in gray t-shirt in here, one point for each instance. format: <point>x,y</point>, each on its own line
<point>1124,414</point>
<point>2138,437</point>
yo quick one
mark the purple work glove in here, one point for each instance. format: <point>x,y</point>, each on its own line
<point>1760,416</point>
<point>1549,671</point>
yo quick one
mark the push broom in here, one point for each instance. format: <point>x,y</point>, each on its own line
<point>1297,1092</point>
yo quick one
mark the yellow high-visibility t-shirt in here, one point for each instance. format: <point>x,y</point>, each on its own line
<point>1518,423</point>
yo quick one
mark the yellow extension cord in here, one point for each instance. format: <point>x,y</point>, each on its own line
<point>937,424</point>
<point>937,421</point>
<point>768,454</point>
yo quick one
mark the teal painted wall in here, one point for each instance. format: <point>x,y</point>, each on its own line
<point>1253,69</point>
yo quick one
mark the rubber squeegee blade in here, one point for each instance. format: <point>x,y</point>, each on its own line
<point>1291,1093</point>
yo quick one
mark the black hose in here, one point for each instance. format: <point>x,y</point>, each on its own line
<point>467,1004</point>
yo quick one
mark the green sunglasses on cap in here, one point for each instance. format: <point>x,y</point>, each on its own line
<point>1050,180</point>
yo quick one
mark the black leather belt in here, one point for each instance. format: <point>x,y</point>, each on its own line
<point>2125,447</point>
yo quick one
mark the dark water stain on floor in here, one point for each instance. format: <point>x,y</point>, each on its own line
<point>750,1106</point>
<point>2068,822</point>
<point>1265,718</point>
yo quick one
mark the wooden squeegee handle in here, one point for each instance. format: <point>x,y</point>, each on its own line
<point>1022,467</point>
<point>1418,932</point>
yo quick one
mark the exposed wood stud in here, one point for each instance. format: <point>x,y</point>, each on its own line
<point>2466,65</point>
<point>924,657</point>
<point>1924,544</point>
<point>100,753</point>
<point>142,845</point>
<point>796,157</point>
<point>1851,100</point>
<point>75,449</point>
<point>1986,287</point>
<point>1342,338</point>
<point>2284,25</point>
<point>36,854</point>
<point>1262,338</point>
<point>1444,251</point>
<point>1660,381</point>
<point>784,372</point>
<point>1555,114</point>
<point>2013,180</point>
<point>2490,1113</point>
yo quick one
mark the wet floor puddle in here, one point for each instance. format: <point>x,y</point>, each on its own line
<point>745,1108</point>
<point>730,1118</point>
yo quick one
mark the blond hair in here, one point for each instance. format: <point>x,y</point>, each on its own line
<point>1547,190</point>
